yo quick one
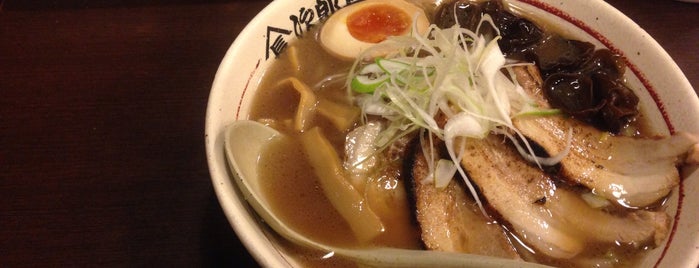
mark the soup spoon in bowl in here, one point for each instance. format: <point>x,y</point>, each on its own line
<point>244,140</point>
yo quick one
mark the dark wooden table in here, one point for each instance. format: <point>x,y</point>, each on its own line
<point>102,107</point>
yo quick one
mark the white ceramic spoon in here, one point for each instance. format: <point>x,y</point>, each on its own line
<point>244,141</point>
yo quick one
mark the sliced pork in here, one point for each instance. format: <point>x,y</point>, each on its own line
<point>553,220</point>
<point>635,172</point>
<point>451,221</point>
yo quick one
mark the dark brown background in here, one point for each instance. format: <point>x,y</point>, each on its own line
<point>102,107</point>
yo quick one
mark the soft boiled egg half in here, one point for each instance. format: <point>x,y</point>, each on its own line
<point>356,27</point>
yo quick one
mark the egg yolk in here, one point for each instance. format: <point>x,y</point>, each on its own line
<point>374,23</point>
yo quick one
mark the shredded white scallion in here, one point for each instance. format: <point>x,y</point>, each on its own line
<point>454,73</point>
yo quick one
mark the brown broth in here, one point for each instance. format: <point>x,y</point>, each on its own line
<point>288,179</point>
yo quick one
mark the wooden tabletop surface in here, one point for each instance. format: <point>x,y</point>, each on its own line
<point>102,107</point>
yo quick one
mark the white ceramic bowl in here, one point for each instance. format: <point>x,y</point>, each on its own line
<point>665,94</point>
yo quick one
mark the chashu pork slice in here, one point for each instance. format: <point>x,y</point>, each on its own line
<point>451,221</point>
<point>553,220</point>
<point>635,172</point>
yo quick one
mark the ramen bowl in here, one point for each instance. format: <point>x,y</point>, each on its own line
<point>666,99</point>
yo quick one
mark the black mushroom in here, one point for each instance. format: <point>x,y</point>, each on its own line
<point>518,34</point>
<point>593,92</point>
<point>582,81</point>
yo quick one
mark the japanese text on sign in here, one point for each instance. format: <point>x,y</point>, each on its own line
<point>299,23</point>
